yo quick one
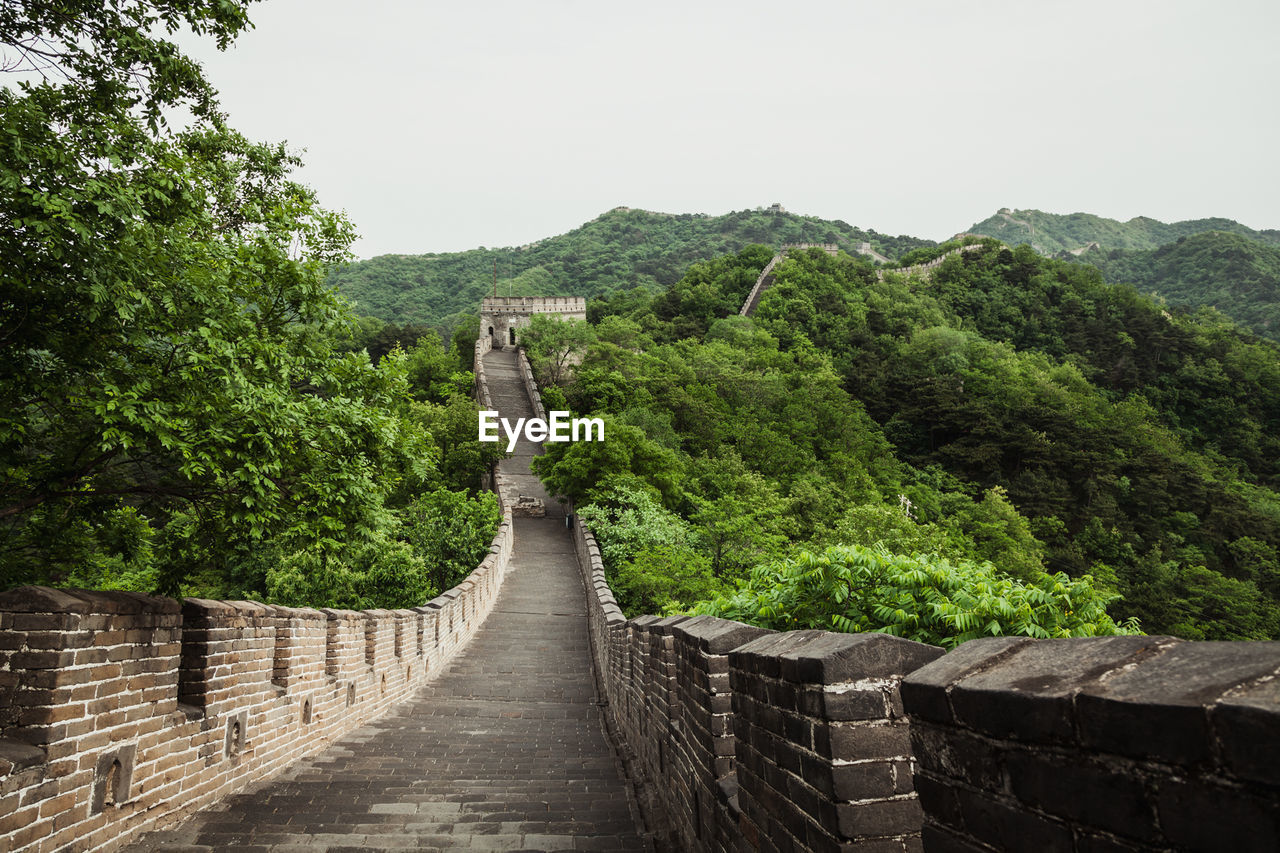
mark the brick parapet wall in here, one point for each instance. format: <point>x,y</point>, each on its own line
<point>740,738</point>
<point>1108,743</point>
<point>483,345</point>
<point>824,741</point>
<point>122,713</point>
<point>531,385</point>
<point>928,267</point>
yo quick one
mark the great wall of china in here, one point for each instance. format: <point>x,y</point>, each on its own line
<point>121,713</point>
<point>766,278</point>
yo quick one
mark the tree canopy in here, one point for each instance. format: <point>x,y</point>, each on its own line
<point>178,407</point>
<point>1008,410</point>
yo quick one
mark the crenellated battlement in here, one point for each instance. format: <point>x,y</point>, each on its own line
<point>534,304</point>
<point>502,316</point>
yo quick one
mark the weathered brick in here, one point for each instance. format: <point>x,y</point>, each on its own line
<point>852,742</point>
<point>886,817</point>
<point>856,703</point>
<point>1247,725</point>
<point>1097,795</point>
<point>1198,815</point>
<point>864,781</point>
<point>1159,708</point>
<point>1009,827</point>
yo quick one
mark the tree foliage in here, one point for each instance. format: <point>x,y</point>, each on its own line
<point>1052,233</point>
<point>1008,408</point>
<point>856,589</point>
<point>179,405</point>
<point>1228,272</point>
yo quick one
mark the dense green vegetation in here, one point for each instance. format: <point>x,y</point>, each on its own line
<point>185,406</point>
<point>620,250</point>
<point>1214,263</point>
<point>1010,446</point>
<point>1230,273</point>
<point>1051,233</point>
<point>921,598</point>
<point>1012,408</point>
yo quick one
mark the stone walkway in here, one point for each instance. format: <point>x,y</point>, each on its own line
<point>505,750</point>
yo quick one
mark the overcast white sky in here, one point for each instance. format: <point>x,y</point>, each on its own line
<point>442,127</point>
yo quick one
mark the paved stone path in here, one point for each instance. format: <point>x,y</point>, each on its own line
<point>505,750</point>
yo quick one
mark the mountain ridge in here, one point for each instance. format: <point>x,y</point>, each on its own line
<point>1054,233</point>
<point>620,249</point>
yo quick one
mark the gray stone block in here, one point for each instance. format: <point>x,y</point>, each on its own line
<point>829,658</point>
<point>714,636</point>
<point>1159,708</point>
<point>924,692</point>
<point>1247,725</point>
<point>1029,694</point>
<point>763,655</point>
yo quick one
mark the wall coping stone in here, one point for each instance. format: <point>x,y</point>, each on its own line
<point>43,599</point>
<point>763,655</point>
<point>716,636</point>
<point>209,607</point>
<point>1189,674</point>
<point>1042,679</point>
<point>927,687</point>
<point>297,612</point>
<point>1245,723</point>
<point>666,625</point>
<point>334,613</point>
<point>825,657</point>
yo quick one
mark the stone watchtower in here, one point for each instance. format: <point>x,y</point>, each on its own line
<point>500,316</point>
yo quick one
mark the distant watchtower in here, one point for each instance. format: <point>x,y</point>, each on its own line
<point>500,316</point>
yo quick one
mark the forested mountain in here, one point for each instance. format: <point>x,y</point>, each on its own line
<point>1010,408</point>
<point>621,249</point>
<point>1051,233</point>
<point>1212,263</point>
<point>1237,276</point>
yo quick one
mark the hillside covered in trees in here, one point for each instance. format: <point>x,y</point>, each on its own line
<point>1198,263</point>
<point>1051,233</point>
<point>1008,446</point>
<point>1227,272</point>
<point>619,250</point>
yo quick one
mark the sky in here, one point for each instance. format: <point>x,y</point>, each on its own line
<point>443,127</point>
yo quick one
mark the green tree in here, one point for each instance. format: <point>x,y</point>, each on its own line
<point>856,589</point>
<point>648,552</point>
<point>450,533</point>
<point>172,400</point>
<point>554,345</point>
<point>581,471</point>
